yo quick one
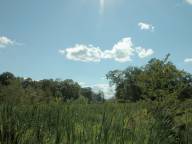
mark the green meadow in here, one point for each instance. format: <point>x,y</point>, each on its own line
<point>109,123</point>
<point>151,105</point>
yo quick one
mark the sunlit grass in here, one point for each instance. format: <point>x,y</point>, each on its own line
<point>91,124</point>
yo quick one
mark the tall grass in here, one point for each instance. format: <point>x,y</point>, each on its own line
<point>92,124</point>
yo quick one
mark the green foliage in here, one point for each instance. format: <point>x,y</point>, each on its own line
<point>81,100</point>
<point>158,80</point>
<point>20,90</point>
<point>87,93</point>
<point>186,93</point>
<point>92,96</point>
<point>6,78</point>
<point>12,93</point>
<point>153,105</point>
<point>133,123</point>
<point>69,89</point>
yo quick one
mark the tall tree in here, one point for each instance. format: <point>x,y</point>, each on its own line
<point>157,80</point>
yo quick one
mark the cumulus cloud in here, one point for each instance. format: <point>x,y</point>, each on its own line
<point>189,1</point>
<point>83,53</point>
<point>142,52</point>
<point>122,51</point>
<point>5,41</point>
<point>146,26</point>
<point>188,60</point>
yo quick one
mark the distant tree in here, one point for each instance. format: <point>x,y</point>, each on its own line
<point>186,93</point>
<point>70,90</point>
<point>91,95</point>
<point>126,83</point>
<point>116,77</point>
<point>35,95</point>
<point>48,87</point>
<point>161,78</point>
<point>12,93</point>
<point>87,93</point>
<point>27,82</point>
<point>98,97</point>
<point>6,78</point>
<point>27,90</point>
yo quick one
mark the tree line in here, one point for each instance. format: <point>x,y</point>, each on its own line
<point>17,89</point>
<point>158,80</point>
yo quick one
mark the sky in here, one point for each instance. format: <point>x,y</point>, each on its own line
<point>84,39</point>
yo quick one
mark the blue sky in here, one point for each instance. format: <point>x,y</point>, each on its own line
<point>84,39</point>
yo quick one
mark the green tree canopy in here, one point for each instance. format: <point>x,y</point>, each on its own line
<point>154,81</point>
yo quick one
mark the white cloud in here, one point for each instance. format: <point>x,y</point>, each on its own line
<point>109,91</point>
<point>188,60</point>
<point>122,51</point>
<point>146,26</point>
<point>5,41</point>
<point>142,52</point>
<point>189,1</point>
<point>83,53</point>
<point>83,84</point>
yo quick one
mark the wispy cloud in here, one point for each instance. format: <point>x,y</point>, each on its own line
<point>189,1</point>
<point>5,41</point>
<point>122,51</point>
<point>146,26</point>
<point>142,52</point>
<point>188,60</point>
